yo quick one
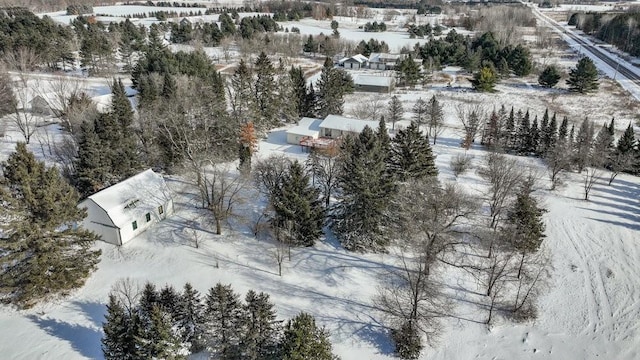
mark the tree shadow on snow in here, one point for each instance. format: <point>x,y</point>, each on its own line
<point>83,339</point>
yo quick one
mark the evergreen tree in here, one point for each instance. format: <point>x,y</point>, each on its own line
<point>331,90</point>
<point>520,61</point>
<point>158,338</point>
<point>549,77</point>
<point>125,155</point>
<point>408,72</point>
<point>366,191</point>
<point>169,87</point>
<point>190,318</point>
<point>43,253</point>
<point>611,128</point>
<point>299,92</point>
<point>91,167</point>
<point>412,157</point>
<point>533,141</point>
<point>149,298</point>
<point>563,130</point>
<point>627,142</point>
<point>304,340</point>
<point>169,300</point>
<point>395,111</point>
<point>584,77</point>
<point>115,331</point>
<point>310,46</point>
<point>420,109</point>
<point>260,332</point>
<point>509,131</point>
<point>583,145</point>
<point>223,312</point>
<point>526,228</point>
<point>408,343</point>
<point>266,97</point>
<point>242,98</point>
<point>383,138</point>
<point>551,134</point>
<point>523,132</point>
<point>485,80</point>
<point>299,212</point>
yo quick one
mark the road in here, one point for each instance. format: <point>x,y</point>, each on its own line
<point>620,67</point>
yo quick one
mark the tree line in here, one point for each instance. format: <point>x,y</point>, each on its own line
<point>168,324</point>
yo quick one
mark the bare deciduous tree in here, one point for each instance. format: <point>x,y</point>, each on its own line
<point>371,109</point>
<point>558,160</point>
<point>220,191</point>
<point>504,176</point>
<point>591,176</point>
<point>127,291</point>
<point>324,167</point>
<point>472,118</point>
<point>25,118</point>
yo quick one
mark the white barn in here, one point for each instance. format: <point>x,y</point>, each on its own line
<point>123,211</point>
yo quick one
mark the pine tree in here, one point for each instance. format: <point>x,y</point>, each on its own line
<point>627,141</point>
<point>168,300</point>
<point>266,97</point>
<point>299,92</point>
<point>485,80</point>
<point>382,133</point>
<point>298,208</point>
<point>509,132</point>
<point>523,132</point>
<point>223,312</point>
<point>331,90</point>
<point>304,340</point>
<point>583,145</point>
<point>395,111</point>
<point>549,76</point>
<point>550,136</point>
<point>115,331</point>
<point>158,338</point>
<point>533,141</point>
<point>420,114</point>
<point>242,98</point>
<point>91,168</point>
<point>520,61</point>
<point>526,228</point>
<point>43,254</point>
<point>169,87</point>
<point>408,72</point>
<point>149,298</point>
<point>190,318</point>
<point>260,331</point>
<point>603,147</point>
<point>584,77</point>
<point>124,160</point>
<point>563,131</point>
<point>435,118</point>
<point>611,127</point>
<point>366,191</point>
<point>412,157</point>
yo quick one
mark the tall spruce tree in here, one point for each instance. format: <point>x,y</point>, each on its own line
<point>331,90</point>
<point>366,190</point>
<point>533,141</point>
<point>435,118</point>
<point>190,318</point>
<point>266,97</point>
<point>627,142</point>
<point>412,157</point>
<point>91,167</point>
<point>159,340</point>
<point>260,330</point>
<point>603,147</point>
<point>583,145</point>
<point>526,228</point>
<point>299,92</point>
<point>242,98</point>
<point>420,112</point>
<point>523,132</point>
<point>563,130</point>
<point>114,345</point>
<point>304,340</point>
<point>125,161</point>
<point>394,111</point>
<point>509,132</point>
<point>223,313</point>
<point>299,212</point>
<point>43,253</point>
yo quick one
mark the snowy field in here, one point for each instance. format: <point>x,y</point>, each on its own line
<point>590,310</point>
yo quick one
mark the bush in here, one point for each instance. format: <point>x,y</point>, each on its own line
<point>549,76</point>
<point>407,341</point>
<point>460,164</point>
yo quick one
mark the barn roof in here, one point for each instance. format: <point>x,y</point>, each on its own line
<point>133,198</point>
<point>343,123</point>
<point>373,80</point>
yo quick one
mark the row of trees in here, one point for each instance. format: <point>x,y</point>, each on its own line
<point>166,324</point>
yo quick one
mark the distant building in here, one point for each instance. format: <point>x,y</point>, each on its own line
<point>358,61</point>
<point>374,83</point>
<point>384,61</point>
<point>123,211</point>
<point>307,128</point>
<point>318,133</point>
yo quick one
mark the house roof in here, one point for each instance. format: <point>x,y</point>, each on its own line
<point>383,57</point>
<point>359,58</point>
<point>306,127</point>
<point>373,80</point>
<point>343,123</point>
<point>133,197</point>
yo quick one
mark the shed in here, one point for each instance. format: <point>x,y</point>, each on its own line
<point>334,126</point>
<point>306,128</point>
<point>373,83</point>
<point>123,211</point>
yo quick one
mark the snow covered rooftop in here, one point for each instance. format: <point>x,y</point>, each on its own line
<point>373,80</point>
<point>133,197</point>
<point>383,57</point>
<point>306,127</point>
<point>343,123</point>
<point>359,58</point>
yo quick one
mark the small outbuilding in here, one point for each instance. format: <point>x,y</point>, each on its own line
<point>307,128</point>
<point>374,83</point>
<point>335,126</point>
<point>358,61</point>
<point>123,211</point>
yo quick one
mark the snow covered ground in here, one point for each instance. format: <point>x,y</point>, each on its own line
<point>589,311</point>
